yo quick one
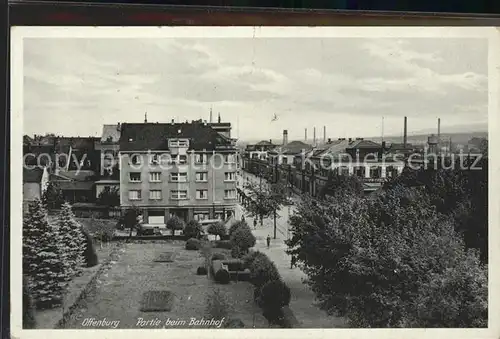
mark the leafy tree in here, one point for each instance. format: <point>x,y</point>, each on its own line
<point>235,226</point>
<point>103,231</point>
<point>71,241</point>
<point>175,223</point>
<point>109,197</point>
<point>342,184</point>
<point>243,238</point>
<point>262,270</point>
<point>379,262</point>
<point>130,219</point>
<point>53,197</point>
<point>274,296</point>
<point>42,260</point>
<point>266,199</point>
<point>193,229</point>
<point>217,229</point>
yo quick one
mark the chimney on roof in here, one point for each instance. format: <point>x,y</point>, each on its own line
<point>270,141</point>
<point>118,127</point>
<point>210,114</point>
<point>314,136</point>
<point>146,118</point>
<point>405,135</point>
<point>350,139</point>
<point>324,134</point>
<point>305,134</point>
<point>173,121</point>
<point>285,137</point>
<point>218,118</point>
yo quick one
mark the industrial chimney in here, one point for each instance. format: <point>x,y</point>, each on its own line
<point>405,136</point>
<point>285,137</point>
<point>314,136</point>
<point>324,134</point>
<point>439,130</point>
<point>305,134</point>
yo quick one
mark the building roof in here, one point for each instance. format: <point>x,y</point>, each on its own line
<point>293,147</point>
<point>362,143</point>
<point>110,133</point>
<point>82,175</point>
<point>32,175</point>
<point>264,143</point>
<point>83,143</point>
<point>75,185</point>
<point>154,136</point>
<point>401,146</point>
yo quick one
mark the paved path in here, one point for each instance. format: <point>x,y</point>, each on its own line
<point>302,304</point>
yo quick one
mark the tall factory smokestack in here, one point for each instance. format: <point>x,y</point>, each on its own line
<point>305,134</point>
<point>314,136</point>
<point>324,134</point>
<point>439,129</point>
<point>285,137</point>
<point>405,136</point>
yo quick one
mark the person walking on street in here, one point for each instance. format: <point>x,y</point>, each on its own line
<point>293,262</point>
<point>268,239</point>
<point>255,223</point>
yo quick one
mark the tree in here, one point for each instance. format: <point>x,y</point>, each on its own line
<point>266,200</point>
<point>193,229</point>
<point>236,225</point>
<point>175,223</point>
<point>71,241</point>
<point>130,219</point>
<point>341,183</point>
<point>53,197</point>
<point>381,262</point>
<point>217,229</point>
<point>42,260</point>
<point>243,238</point>
<point>109,197</point>
<point>29,320</point>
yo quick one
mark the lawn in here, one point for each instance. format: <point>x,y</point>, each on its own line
<point>119,293</point>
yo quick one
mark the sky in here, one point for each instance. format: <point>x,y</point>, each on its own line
<point>72,86</point>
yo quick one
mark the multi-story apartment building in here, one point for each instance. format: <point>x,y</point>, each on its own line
<point>109,147</point>
<point>183,169</point>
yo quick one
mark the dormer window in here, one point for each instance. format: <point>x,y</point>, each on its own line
<point>178,142</point>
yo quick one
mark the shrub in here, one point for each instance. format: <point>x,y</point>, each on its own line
<point>202,270</point>
<point>226,244</point>
<point>29,321</point>
<point>217,229</point>
<point>104,231</point>
<point>175,224</point>
<point>234,323</point>
<point>217,305</point>
<point>193,244</point>
<point>193,229</point>
<point>249,258</point>
<point>236,252</point>
<point>243,238</point>
<point>218,256</point>
<point>263,270</point>
<point>275,294</point>
<point>89,253</point>
<point>275,316</point>
<point>222,276</point>
<point>235,226</point>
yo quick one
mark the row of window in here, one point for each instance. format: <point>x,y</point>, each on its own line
<point>178,176</point>
<point>178,194</point>
<point>167,159</point>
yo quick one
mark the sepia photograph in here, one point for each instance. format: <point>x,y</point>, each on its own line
<point>253,178</point>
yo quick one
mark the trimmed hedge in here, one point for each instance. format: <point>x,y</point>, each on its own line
<point>202,270</point>
<point>225,244</point>
<point>218,256</point>
<point>275,294</point>
<point>193,244</point>
<point>263,270</point>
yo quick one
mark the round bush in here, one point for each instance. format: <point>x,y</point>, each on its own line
<point>243,238</point>
<point>275,294</point>
<point>193,229</point>
<point>235,226</point>
<point>222,276</point>
<point>218,256</point>
<point>234,323</point>
<point>201,270</point>
<point>263,270</point>
<point>193,244</point>
<point>217,229</point>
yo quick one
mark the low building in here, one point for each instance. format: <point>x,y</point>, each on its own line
<point>76,186</point>
<point>35,182</point>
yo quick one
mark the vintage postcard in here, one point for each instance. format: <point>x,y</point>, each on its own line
<point>254,182</point>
